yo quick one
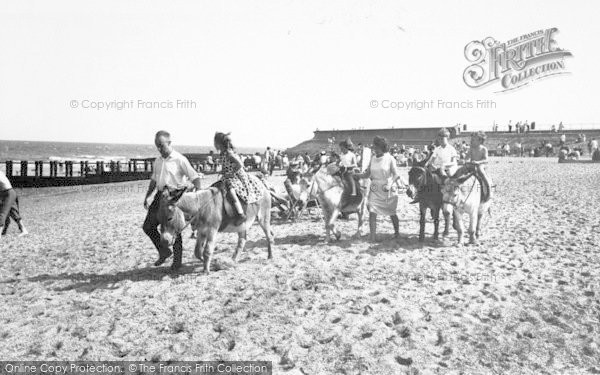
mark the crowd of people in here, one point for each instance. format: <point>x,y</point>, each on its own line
<point>575,147</point>
<point>521,127</point>
<point>268,161</point>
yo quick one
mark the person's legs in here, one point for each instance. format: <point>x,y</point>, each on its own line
<point>373,226</point>
<point>235,202</point>
<point>485,179</point>
<point>16,216</point>
<point>349,180</point>
<point>7,200</point>
<point>150,227</point>
<point>177,251</point>
<point>396,224</point>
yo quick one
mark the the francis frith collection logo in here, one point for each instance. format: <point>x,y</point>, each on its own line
<point>514,63</point>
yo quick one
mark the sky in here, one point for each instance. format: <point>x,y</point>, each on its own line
<point>271,72</point>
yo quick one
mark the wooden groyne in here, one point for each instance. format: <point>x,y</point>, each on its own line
<point>28,174</point>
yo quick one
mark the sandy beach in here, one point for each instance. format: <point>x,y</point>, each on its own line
<point>526,300</point>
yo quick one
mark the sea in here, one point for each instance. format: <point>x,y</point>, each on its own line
<point>79,151</point>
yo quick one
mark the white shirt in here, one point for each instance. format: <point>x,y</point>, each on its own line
<point>444,156</point>
<point>173,171</point>
<point>348,160</point>
<point>4,182</point>
<point>594,144</point>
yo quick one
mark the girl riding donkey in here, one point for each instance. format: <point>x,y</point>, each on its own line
<point>238,184</point>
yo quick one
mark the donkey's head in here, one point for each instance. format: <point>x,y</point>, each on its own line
<point>453,190</point>
<point>170,217</point>
<point>418,177</point>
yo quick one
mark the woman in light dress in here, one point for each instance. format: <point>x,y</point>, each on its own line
<point>383,195</point>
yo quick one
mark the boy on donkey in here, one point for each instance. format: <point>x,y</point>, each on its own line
<point>9,206</point>
<point>477,158</point>
<point>443,161</point>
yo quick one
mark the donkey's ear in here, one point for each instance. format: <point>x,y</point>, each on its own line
<point>176,194</point>
<point>463,178</point>
<point>424,161</point>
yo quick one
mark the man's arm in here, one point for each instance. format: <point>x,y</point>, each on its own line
<point>191,174</point>
<point>151,188</point>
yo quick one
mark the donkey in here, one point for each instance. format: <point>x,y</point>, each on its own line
<point>329,191</point>
<point>208,212</point>
<point>464,194</point>
<point>421,180</point>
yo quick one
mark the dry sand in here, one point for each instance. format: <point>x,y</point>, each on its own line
<point>525,300</point>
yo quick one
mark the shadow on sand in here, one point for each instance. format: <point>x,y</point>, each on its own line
<point>89,282</point>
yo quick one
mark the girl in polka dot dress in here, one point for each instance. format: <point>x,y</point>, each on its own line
<point>239,185</point>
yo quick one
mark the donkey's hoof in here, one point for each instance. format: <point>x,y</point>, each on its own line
<point>445,234</point>
<point>338,235</point>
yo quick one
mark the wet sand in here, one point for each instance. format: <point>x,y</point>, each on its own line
<point>526,300</point>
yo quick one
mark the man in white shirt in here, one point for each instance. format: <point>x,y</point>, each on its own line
<point>170,169</point>
<point>9,206</point>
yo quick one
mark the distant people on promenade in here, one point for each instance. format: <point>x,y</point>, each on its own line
<point>170,169</point>
<point>9,206</point>
<point>510,126</point>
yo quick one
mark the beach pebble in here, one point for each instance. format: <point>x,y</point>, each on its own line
<point>405,361</point>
